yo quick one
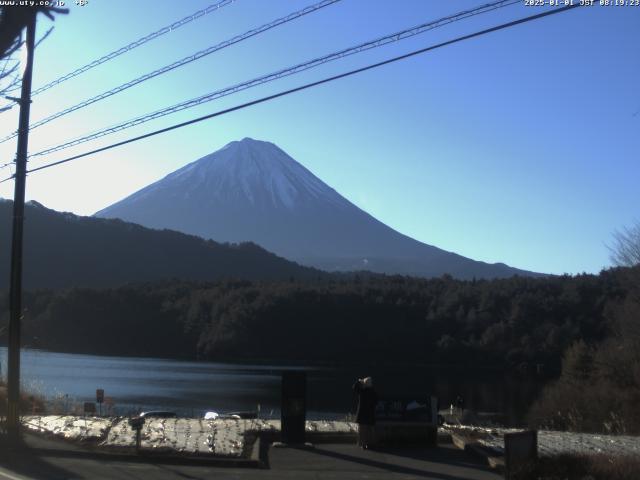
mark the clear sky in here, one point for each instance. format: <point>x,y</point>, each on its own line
<point>520,146</point>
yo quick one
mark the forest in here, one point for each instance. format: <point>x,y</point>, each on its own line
<point>579,333</point>
<point>63,250</point>
<point>508,323</point>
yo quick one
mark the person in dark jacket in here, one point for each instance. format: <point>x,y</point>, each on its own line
<point>365,413</point>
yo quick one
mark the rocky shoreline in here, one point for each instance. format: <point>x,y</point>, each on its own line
<point>551,443</point>
<point>185,436</point>
<point>232,437</point>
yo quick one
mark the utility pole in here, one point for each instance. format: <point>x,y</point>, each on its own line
<point>15,291</point>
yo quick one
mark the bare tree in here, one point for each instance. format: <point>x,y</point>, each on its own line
<point>9,77</point>
<point>625,250</point>
<point>13,20</point>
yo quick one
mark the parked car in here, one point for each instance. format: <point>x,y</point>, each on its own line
<point>243,415</point>
<point>231,415</point>
<point>158,414</point>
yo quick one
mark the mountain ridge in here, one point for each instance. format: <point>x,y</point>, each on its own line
<point>251,190</point>
<point>64,250</point>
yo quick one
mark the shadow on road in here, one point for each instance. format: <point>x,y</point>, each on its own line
<point>449,456</point>
<point>422,461</point>
<point>23,461</point>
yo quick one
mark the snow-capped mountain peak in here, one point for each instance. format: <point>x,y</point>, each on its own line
<point>252,190</point>
<point>253,171</point>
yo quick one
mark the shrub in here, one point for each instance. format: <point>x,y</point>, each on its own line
<point>582,467</point>
<point>599,387</point>
<point>29,402</point>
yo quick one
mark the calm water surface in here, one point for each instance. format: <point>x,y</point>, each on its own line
<point>191,388</point>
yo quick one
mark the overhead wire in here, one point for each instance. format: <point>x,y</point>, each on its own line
<point>310,85</point>
<point>135,44</point>
<point>378,42</point>
<point>179,63</point>
<point>116,53</point>
<point>16,81</point>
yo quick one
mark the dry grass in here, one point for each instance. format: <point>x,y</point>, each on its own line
<point>29,403</point>
<point>586,467</point>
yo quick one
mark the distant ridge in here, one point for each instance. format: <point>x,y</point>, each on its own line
<point>252,190</point>
<point>65,250</point>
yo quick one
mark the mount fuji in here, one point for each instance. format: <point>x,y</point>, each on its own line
<point>253,191</point>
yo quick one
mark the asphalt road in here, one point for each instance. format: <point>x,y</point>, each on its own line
<point>335,461</point>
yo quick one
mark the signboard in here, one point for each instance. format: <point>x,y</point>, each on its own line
<point>136,423</point>
<point>99,395</point>
<point>89,407</point>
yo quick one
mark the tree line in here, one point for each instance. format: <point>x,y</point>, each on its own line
<point>506,323</point>
<point>599,387</point>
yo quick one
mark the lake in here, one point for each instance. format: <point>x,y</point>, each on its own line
<point>191,388</point>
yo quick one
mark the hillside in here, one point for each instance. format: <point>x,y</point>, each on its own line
<point>65,250</point>
<point>252,190</point>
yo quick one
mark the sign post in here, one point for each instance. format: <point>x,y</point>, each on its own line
<point>136,423</point>
<point>100,399</point>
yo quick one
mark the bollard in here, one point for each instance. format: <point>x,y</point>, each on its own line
<point>520,454</point>
<point>294,407</point>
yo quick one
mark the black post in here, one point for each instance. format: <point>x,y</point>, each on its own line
<point>138,439</point>
<point>294,407</point>
<point>136,424</point>
<point>15,291</point>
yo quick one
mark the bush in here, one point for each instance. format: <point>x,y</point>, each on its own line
<point>29,403</point>
<point>599,388</point>
<point>583,467</point>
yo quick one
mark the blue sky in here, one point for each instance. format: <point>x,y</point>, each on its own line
<point>519,147</point>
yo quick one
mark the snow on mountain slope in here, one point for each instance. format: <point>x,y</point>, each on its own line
<point>253,191</point>
<point>248,171</point>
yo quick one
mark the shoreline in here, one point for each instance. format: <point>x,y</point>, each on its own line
<point>181,436</point>
<point>268,363</point>
<point>232,437</point>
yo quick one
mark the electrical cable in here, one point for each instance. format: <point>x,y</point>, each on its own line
<point>179,63</point>
<point>394,37</point>
<point>310,85</point>
<point>135,44</point>
<point>120,51</point>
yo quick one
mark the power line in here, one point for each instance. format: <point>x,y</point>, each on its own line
<point>135,44</point>
<point>307,86</point>
<point>394,37</point>
<point>179,63</point>
<point>9,106</point>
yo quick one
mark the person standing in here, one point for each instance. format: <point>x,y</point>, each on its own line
<point>366,411</point>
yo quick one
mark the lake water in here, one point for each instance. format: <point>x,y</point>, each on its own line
<point>191,388</point>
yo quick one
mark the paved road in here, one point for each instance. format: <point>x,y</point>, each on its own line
<point>322,462</point>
